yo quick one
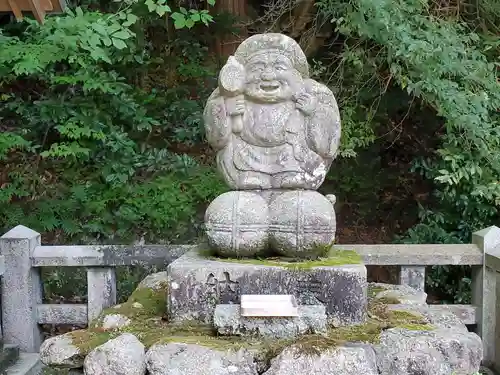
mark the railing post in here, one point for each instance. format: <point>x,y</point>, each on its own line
<point>413,276</point>
<point>484,292</point>
<point>21,289</point>
<point>101,290</point>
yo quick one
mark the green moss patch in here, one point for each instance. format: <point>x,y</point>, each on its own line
<point>336,257</point>
<point>374,290</point>
<point>143,303</point>
<point>389,300</point>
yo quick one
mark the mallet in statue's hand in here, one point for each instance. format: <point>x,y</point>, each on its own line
<point>231,84</point>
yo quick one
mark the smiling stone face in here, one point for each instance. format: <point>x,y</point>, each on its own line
<point>271,77</point>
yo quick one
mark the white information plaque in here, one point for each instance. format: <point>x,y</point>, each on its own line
<point>268,305</point>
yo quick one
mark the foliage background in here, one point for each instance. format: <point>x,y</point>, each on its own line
<point>101,131</point>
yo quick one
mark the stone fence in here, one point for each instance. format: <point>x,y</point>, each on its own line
<point>22,256</point>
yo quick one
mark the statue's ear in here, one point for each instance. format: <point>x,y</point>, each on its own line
<point>232,77</point>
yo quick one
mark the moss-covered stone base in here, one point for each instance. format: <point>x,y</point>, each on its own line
<point>332,257</point>
<point>146,308</point>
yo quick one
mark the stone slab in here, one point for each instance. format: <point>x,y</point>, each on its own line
<point>28,364</point>
<point>311,319</point>
<point>197,284</point>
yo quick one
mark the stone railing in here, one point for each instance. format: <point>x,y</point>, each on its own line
<point>22,257</point>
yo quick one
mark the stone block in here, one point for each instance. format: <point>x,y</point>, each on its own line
<point>311,319</point>
<point>197,284</point>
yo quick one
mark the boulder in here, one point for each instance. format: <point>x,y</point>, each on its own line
<point>115,321</point>
<point>60,351</point>
<point>350,359</point>
<point>121,355</point>
<point>156,281</point>
<point>435,352</point>
<point>399,294</point>
<point>189,359</point>
<point>439,319</point>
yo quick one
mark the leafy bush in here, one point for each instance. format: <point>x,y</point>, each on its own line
<point>442,63</point>
<point>85,150</point>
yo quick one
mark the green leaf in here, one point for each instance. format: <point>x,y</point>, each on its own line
<point>121,35</point>
<point>132,18</point>
<point>179,20</point>
<point>195,17</point>
<point>211,2</point>
<point>107,41</point>
<point>189,23</point>
<point>99,28</point>
<point>151,5</point>
<point>118,43</point>
<point>79,12</point>
<point>161,10</point>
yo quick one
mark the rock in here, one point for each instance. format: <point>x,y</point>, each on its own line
<point>401,294</point>
<point>249,210</point>
<point>439,319</point>
<point>137,305</point>
<point>276,132</point>
<point>311,319</point>
<point>155,281</point>
<point>60,351</point>
<point>115,321</point>
<point>344,360</point>
<point>197,284</point>
<point>122,355</point>
<point>187,359</point>
<point>437,352</point>
<point>302,225</point>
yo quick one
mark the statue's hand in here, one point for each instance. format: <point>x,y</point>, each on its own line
<point>235,106</point>
<point>306,103</point>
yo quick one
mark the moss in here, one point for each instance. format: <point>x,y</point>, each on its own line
<point>417,327</point>
<point>87,339</point>
<point>374,290</point>
<point>153,302</point>
<point>336,257</point>
<point>389,300</point>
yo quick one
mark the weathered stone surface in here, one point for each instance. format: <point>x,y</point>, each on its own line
<point>293,223</point>
<point>437,352</point>
<point>115,321</point>
<point>197,284</point>
<point>60,351</point>
<point>302,224</point>
<point>311,319</point>
<point>344,360</point>
<point>273,128</point>
<point>21,289</point>
<point>186,359</point>
<point>154,281</point>
<point>437,318</point>
<point>237,224</point>
<point>122,355</point>
<point>405,294</point>
<point>413,276</point>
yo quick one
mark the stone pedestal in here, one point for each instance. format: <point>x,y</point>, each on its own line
<point>198,283</point>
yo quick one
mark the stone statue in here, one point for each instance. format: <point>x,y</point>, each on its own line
<point>276,132</point>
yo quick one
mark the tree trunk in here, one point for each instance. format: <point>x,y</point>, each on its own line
<point>227,45</point>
